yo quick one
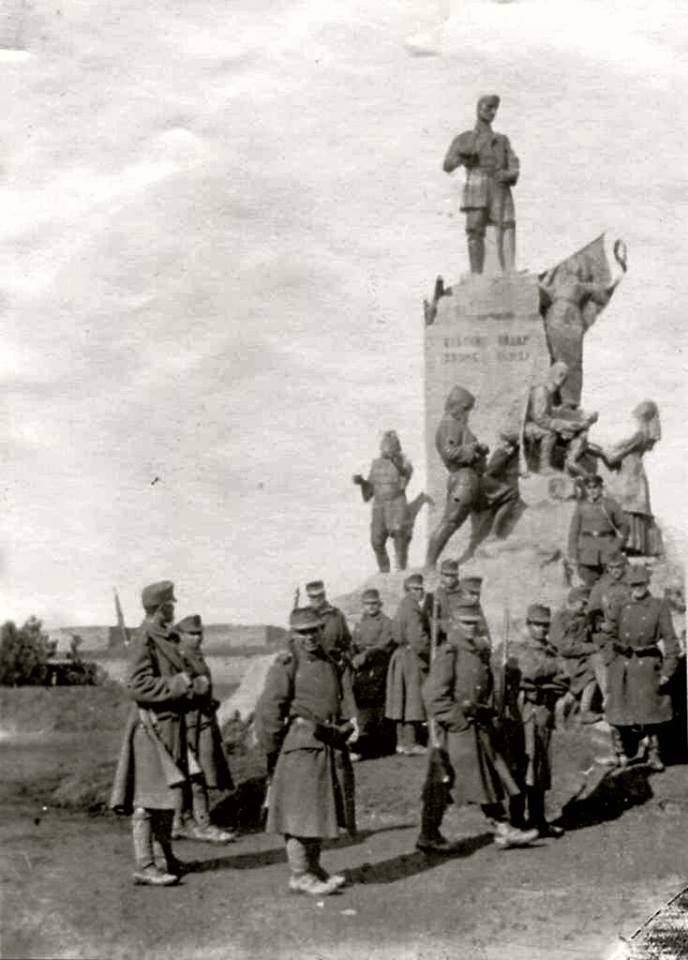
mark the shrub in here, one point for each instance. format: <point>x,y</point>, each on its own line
<point>24,653</point>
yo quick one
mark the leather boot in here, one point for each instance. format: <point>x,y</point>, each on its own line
<point>146,870</point>
<point>654,759</point>
<point>476,254</point>
<point>161,826</point>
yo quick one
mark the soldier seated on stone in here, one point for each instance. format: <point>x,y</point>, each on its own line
<point>598,529</point>
<point>204,743</point>
<point>459,694</point>
<point>372,646</point>
<point>386,486</point>
<point>639,672</point>
<point>550,425</point>
<point>305,717</point>
<point>336,638</point>
<point>571,634</point>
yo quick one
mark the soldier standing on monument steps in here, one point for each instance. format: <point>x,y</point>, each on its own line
<point>598,529</point>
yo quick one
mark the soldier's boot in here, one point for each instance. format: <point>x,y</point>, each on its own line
<point>537,818</point>
<point>302,879</point>
<point>476,253</point>
<point>161,826</point>
<point>654,759</point>
<point>401,545</point>
<point>336,880</point>
<point>146,870</point>
<point>546,449</point>
<point>434,804</point>
<point>619,748</point>
<point>201,828</point>
<point>508,837</point>
<point>506,248</point>
<point>586,714</point>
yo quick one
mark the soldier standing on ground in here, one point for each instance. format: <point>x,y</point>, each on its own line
<point>472,588</point>
<point>336,638</point>
<point>571,634</point>
<point>492,168</point>
<point>459,694</point>
<point>153,765</point>
<point>639,670</point>
<point>598,529</point>
<point>533,670</point>
<point>204,742</point>
<point>372,646</point>
<point>408,668</point>
<point>304,718</point>
<point>446,597</point>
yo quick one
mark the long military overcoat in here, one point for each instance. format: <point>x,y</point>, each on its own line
<point>312,789</point>
<point>461,674</point>
<point>534,670</point>
<point>153,760</point>
<point>372,646</point>
<point>633,675</point>
<point>597,530</point>
<point>570,634</point>
<point>408,666</point>
<point>336,636</point>
<point>203,734</point>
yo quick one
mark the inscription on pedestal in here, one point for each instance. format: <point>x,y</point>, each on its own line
<point>488,336</point>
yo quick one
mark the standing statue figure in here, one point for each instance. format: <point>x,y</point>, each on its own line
<point>469,487</point>
<point>627,481</point>
<point>392,516</point>
<point>492,168</point>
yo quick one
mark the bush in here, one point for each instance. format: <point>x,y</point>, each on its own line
<point>24,654</point>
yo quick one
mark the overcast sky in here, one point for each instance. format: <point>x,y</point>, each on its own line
<point>219,222</point>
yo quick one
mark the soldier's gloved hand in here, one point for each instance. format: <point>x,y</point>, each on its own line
<point>180,684</point>
<point>200,686</point>
<point>663,683</point>
<point>469,708</point>
<point>357,479</point>
<point>358,660</point>
<point>355,731</point>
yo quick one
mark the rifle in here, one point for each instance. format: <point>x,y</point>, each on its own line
<point>297,598</point>
<point>504,660</point>
<point>120,619</point>
<point>432,725</point>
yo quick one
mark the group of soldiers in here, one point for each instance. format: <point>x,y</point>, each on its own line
<point>482,709</point>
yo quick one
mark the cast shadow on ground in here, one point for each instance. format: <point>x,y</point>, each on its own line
<point>267,858</point>
<point>617,792</point>
<point>409,864</point>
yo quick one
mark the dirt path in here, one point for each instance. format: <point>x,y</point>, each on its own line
<point>67,889</point>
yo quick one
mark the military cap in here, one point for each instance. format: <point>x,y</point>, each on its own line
<point>155,594</point>
<point>190,624</point>
<point>303,619</point>
<point>617,559</point>
<point>538,613</point>
<point>593,480</point>
<point>578,593</point>
<point>471,583</point>
<point>638,575</point>
<point>449,566</point>
<point>467,610</point>
<point>415,580</point>
<point>315,588</point>
<point>461,398</point>
<point>370,594</point>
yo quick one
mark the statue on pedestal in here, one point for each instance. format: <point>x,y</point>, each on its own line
<point>469,487</point>
<point>551,427</point>
<point>571,297</point>
<point>492,168</point>
<point>392,515</point>
<point>627,481</point>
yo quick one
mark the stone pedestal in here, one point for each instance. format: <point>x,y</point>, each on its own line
<point>487,336</point>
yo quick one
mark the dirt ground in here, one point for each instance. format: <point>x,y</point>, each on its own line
<point>67,890</point>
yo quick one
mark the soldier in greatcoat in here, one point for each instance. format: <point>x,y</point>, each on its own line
<point>441,604</point>
<point>471,589</point>
<point>336,636</point>
<point>598,529</point>
<point>372,646</point>
<point>204,742</point>
<point>642,656</point>
<point>386,486</point>
<point>408,668</point>
<point>534,676</point>
<point>459,694</point>
<point>571,635</point>
<point>304,717</point>
<point>153,765</point>
<point>611,590</point>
